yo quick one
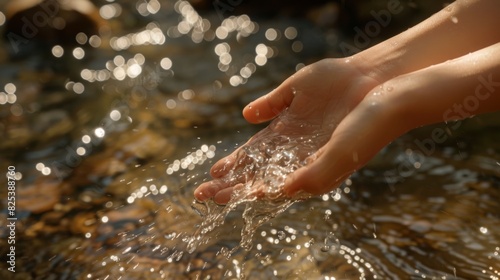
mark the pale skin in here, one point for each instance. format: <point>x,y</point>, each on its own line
<point>430,73</point>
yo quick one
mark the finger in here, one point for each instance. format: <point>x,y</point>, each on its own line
<point>270,105</point>
<point>223,196</point>
<point>313,178</point>
<point>209,189</point>
<point>348,149</point>
<point>223,166</point>
<point>353,143</point>
<point>236,158</point>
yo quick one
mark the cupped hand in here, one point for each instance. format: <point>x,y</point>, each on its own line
<point>315,99</point>
<point>429,95</point>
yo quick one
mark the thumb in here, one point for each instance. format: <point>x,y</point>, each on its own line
<point>317,177</point>
<point>269,106</point>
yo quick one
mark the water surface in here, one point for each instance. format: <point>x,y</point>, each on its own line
<point>109,143</point>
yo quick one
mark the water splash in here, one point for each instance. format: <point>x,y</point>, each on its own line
<point>258,178</point>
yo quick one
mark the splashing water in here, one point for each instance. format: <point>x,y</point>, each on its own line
<point>258,177</point>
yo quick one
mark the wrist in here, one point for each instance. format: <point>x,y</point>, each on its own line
<point>381,62</point>
<point>448,34</point>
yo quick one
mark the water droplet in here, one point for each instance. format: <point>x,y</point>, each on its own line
<point>265,163</point>
<point>483,230</point>
<point>389,88</point>
<point>200,208</point>
<point>281,235</point>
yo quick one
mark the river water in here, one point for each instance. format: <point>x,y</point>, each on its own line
<point>110,136</point>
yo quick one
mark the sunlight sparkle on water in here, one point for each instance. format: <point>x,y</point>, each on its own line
<point>57,51</point>
<point>78,53</point>
<point>45,170</point>
<point>10,88</point>
<point>171,104</point>
<point>271,34</point>
<point>186,94</point>
<point>146,8</point>
<point>198,28</point>
<point>81,38</point>
<point>110,11</point>
<point>78,88</point>
<point>235,80</point>
<point>267,165</point>
<point>166,63</point>
<point>115,115</point>
<point>134,70</point>
<point>9,95</point>
<point>152,35</point>
<point>95,41</point>
<point>197,157</point>
<point>99,132</point>
<point>290,33</point>
<point>81,151</point>
<point>118,68</point>
<point>39,166</point>
<point>297,46</point>
<point>86,139</point>
<point>192,23</point>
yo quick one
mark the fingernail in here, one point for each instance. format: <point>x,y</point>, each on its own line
<point>200,196</point>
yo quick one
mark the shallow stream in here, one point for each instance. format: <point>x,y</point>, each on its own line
<point>109,138</point>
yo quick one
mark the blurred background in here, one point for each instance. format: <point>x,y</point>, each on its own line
<point>111,112</point>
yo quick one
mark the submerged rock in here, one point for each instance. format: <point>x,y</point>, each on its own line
<point>35,24</point>
<point>39,197</point>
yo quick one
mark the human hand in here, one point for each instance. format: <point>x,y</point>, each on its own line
<point>452,90</point>
<point>316,98</point>
<point>347,117</point>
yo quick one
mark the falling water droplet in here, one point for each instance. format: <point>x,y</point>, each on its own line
<point>281,235</point>
<point>330,243</point>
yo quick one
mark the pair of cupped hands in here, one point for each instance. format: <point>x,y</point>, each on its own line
<point>445,68</point>
<point>332,99</point>
<point>351,109</point>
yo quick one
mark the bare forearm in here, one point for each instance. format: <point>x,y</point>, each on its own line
<point>462,27</point>
<point>456,89</point>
